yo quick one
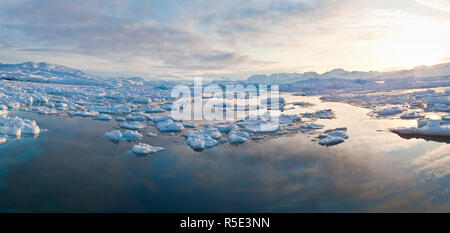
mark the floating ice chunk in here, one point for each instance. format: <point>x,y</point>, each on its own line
<point>302,104</point>
<point>114,135</point>
<point>150,134</point>
<point>161,118</point>
<point>2,140</point>
<point>200,142</point>
<point>116,109</point>
<point>427,127</point>
<point>262,127</point>
<point>237,137</point>
<point>223,127</point>
<point>3,112</point>
<point>190,124</point>
<point>389,111</point>
<point>410,115</point>
<point>131,135</point>
<point>103,117</point>
<point>16,126</point>
<point>61,105</point>
<point>311,126</point>
<point>142,100</point>
<point>286,119</point>
<point>30,127</point>
<point>10,131</point>
<point>153,109</point>
<point>46,111</point>
<point>13,105</point>
<point>135,117</point>
<point>211,132</point>
<point>143,148</point>
<point>334,133</point>
<point>325,114</point>
<point>84,113</point>
<point>169,126</point>
<point>132,125</point>
<point>120,119</point>
<point>446,118</point>
<point>330,141</point>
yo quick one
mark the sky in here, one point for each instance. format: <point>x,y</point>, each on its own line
<point>227,38</point>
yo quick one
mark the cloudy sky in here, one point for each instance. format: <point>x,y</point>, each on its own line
<point>232,38</point>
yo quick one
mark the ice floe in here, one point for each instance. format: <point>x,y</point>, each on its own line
<point>132,125</point>
<point>169,126</point>
<point>237,137</point>
<point>102,117</point>
<point>143,148</point>
<point>333,137</point>
<point>427,127</point>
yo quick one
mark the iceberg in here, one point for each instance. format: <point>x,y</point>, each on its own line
<point>389,111</point>
<point>102,117</point>
<point>333,137</point>
<point>223,127</point>
<point>211,132</point>
<point>2,140</point>
<point>190,124</point>
<point>411,115</point>
<point>169,126</point>
<point>114,135</point>
<point>132,125</point>
<point>200,142</point>
<point>131,135</point>
<point>150,134</point>
<point>143,148</point>
<point>237,137</point>
<point>84,113</point>
<point>427,127</point>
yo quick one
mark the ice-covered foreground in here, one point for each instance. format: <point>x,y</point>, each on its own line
<point>136,105</point>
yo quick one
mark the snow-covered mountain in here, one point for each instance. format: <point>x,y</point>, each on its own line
<point>47,73</point>
<point>417,72</point>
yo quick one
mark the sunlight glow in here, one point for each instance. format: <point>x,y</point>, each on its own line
<point>417,43</point>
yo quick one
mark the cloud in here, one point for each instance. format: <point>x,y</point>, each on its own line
<point>194,37</point>
<point>443,5</point>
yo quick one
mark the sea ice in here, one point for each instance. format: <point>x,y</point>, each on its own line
<point>190,124</point>
<point>131,135</point>
<point>102,117</point>
<point>333,137</point>
<point>132,125</point>
<point>426,127</point>
<point>169,126</point>
<point>223,127</point>
<point>237,137</point>
<point>389,111</point>
<point>143,148</point>
<point>114,135</point>
<point>411,115</point>
<point>84,113</point>
<point>200,141</point>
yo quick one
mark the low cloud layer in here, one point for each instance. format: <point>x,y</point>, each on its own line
<point>197,37</point>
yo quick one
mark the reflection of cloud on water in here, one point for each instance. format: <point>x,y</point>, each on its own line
<point>302,178</point>
<point>435,163</point>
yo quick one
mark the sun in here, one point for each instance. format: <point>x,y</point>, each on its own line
<point>417,43</point>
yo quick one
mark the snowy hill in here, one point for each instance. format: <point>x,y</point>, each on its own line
<point>47,73</point>
<point>417,72</point>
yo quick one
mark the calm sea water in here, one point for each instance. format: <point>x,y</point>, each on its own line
<point>73,168</point>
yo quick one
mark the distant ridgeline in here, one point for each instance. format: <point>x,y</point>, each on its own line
<point>309,83</point>
<point>45,73</point>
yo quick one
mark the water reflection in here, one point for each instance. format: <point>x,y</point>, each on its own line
<point>74,168</point>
